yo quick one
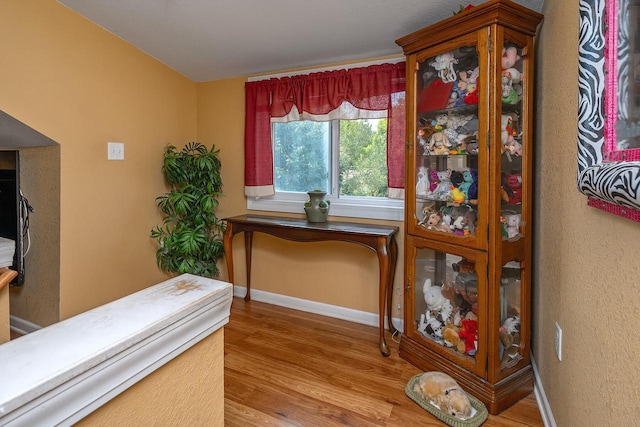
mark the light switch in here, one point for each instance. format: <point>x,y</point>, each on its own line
<point>115,150</point>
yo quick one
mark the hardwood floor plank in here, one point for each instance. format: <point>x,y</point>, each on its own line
<point>242,415</point>
<point>285,367</point>
<point>308,382</point>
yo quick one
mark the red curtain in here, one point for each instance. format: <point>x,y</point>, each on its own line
<point>377,87</point>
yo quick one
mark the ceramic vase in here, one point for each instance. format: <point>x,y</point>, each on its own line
<point>317,208</point>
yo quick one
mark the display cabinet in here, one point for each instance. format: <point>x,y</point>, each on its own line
<point>468,217</point>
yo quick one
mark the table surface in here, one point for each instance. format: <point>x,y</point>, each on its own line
<point>339,226</point>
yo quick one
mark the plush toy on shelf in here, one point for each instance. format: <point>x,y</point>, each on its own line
<point>512,147</point>
<point>509,57</point>
<point>467,180</point>
<point>439,144</point>
<point>512,188</point>
<point>509,338</point>
<point>422,183</point>
<point>457,196</point>
<point>443,190</point>
<point>451,338</point>
<point>433,296</point>
<point>434,222</point>
<point>433,177</point>
<point>443,64</point>
<point>512,225</point>
<point>469,334</point>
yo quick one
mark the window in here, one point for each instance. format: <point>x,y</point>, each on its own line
<point>345,158</point>
<point>341,143</point>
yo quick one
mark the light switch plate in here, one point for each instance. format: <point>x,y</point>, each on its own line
<point>115,150</point>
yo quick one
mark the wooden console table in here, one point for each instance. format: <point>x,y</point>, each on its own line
<point>378,238</point>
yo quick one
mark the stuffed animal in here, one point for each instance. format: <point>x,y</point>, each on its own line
<point>433,177</point>
<point>513,186</point>
<point>451,338</point>
<point>509,57</point>
<point>459,90</point>
<point>443,190</point>
<point>464,266</point>
<point>456,178</point>
<point>467,180</point>
<point>512,146</point>
<point>422,183</point>
<point>432,296</point>
<point>424,134</point>
<point>446,310</point>
<point>511,88</point>
<point>439,144</point>
<point>507,127</point>
<point>469,334</point>
<point>444,65</point>
<point>469,221</point>
<point>444,392</point>
<point>432,219</point>
<point>456,139</point>
<point>457,196</point>
<point>510,338</point>
<point>472,193</point>
<point>434,222</point>
<point>471,84</point>
<point>512,225</point>
<point>431,327</point>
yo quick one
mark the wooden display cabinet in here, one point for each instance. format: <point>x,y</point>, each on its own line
<point>468,216</point>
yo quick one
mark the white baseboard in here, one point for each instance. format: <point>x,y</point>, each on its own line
<point>21,326</point>
<point>541,397</point>
<point>357,316</point>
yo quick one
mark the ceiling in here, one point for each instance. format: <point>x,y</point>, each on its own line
<point>216,39</point>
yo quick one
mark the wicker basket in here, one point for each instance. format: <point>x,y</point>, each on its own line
<point>477,419</point>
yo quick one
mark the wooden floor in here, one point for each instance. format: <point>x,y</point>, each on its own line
<point>286,367</point>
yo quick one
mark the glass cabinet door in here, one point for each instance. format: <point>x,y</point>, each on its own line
<point>512,141</point>
<point>514,168</point>
<point>448,143</point>
<point>448,290</point>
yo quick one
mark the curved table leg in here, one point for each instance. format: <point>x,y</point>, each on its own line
<point>392,272</point>
<point>383,260</point>
<point>248,241</point>
<point>228,250</point>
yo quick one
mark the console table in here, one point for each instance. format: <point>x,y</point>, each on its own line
<point>378,238</point>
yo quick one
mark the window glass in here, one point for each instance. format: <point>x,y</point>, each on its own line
<point>304,157</point>
<point>363,158</point>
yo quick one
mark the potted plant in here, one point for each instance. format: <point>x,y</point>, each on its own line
<point>190,236</point>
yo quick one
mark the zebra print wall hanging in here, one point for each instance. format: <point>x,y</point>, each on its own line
<point>608,171</point>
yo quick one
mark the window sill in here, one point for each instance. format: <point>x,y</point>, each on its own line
<point>385,209</point>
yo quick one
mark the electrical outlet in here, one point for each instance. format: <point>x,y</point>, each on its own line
<point>115,151</point>
<point>558,342</point>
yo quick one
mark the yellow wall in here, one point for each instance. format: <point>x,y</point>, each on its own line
<point>187,391</point>
<point>5,333</point>
<point>586,271</point>
<point>82,87</point>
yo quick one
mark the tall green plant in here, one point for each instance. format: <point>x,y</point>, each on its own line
<point>190,236</point>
